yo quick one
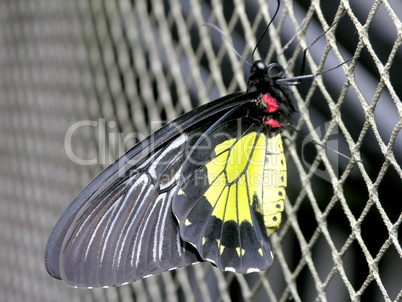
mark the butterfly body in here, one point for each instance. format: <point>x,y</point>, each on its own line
<point>208,186</point>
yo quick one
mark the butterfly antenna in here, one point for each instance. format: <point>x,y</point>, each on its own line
<point>315,41</point>
<point>265,31</point>
<point>298,79</point>
<point>302,26</point>
<point>213,26</point>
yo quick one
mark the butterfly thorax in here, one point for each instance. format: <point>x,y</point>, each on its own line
<point>275,99</point>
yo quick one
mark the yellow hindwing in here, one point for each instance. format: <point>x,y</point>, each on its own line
<point>252,167</point>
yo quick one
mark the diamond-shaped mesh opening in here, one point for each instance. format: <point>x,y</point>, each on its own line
<point>390,261</point>
<point>83,81</point>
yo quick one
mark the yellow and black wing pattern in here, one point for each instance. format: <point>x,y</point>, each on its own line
<point>230,198</point>
<point>208,186</point>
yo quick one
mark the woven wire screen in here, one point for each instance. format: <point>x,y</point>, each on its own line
<point>82,81</point>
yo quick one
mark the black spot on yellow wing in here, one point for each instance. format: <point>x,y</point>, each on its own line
<point>275,181</point>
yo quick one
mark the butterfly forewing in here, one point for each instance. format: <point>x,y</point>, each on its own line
<point>129,231</point>
<point>120,228</point>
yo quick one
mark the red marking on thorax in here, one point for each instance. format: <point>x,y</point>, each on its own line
<point>272,104</point>
<point>273,123</point>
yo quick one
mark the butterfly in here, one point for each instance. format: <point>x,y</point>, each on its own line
<point>209,186</point>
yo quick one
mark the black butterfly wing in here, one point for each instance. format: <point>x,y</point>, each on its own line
<point>128,232</point>
<point>120,228</point>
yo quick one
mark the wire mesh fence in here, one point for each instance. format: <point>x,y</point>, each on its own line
<point>83,81</point>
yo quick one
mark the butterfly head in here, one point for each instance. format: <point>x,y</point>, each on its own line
<point>263,76</point>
